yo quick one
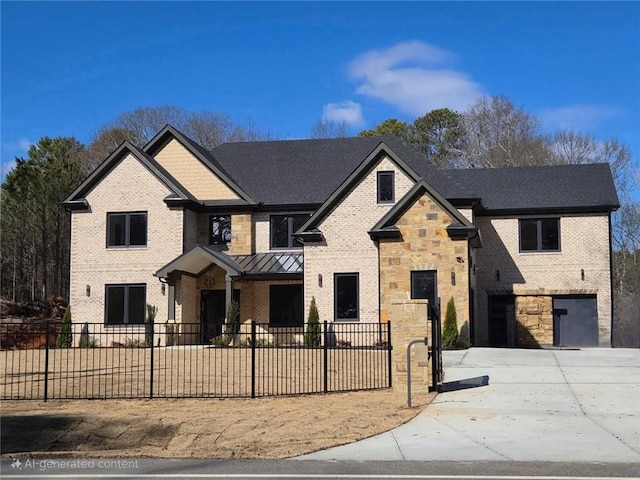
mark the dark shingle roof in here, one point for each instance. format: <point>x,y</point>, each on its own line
<point>303,171</point>
<point>569,187</point>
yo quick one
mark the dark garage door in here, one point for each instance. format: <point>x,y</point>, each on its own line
<point>575,321</point>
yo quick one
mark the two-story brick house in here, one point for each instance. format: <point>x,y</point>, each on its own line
<point>355,223</point>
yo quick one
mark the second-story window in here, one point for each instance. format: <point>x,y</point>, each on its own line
<point>386,190</point>
<point>219,229</point>
<point>283,227</point>
<point>540,235</point>
<point>127,229</point>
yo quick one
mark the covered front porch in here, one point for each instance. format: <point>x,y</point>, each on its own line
<point>203,282</point>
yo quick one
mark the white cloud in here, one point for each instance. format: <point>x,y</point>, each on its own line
<point>6,167</point>
<point>12,150</point>
<point>413,76</point>
<point>343,112</point>
<point>24,144</point>
<point>576,117</point>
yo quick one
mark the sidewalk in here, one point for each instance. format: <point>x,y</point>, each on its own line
<point>535,405</point>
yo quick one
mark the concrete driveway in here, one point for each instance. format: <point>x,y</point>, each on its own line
<point>521,405</point>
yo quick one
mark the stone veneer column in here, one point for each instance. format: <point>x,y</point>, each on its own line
<point>409,322</point>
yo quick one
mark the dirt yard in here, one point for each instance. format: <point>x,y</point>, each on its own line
<point>270,427</point>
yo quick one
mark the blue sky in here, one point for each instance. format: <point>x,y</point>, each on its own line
<point>68,68</point>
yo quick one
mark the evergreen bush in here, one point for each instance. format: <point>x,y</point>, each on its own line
<point>313,335</point>
<point>152,311</point>
<point>65,337</point>
<point>450,328</point>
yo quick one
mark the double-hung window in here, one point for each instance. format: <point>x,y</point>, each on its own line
<point>386,189</point>
<point>283,227</point>
<point>125,303</point>
<point>219,229</point>
<point>127,229</point>
<point>346,291</point>
<point>539,235</point>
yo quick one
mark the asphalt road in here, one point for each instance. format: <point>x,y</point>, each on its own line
<point>70,468</point>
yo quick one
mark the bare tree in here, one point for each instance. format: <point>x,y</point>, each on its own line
<point>208,129</point>
<point>499,134</point>
<point>330,129</point>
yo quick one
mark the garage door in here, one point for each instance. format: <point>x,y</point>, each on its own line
<point>575,321</point>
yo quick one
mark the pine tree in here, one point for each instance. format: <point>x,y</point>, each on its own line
<point>450,328</point>
<point>312,337</point>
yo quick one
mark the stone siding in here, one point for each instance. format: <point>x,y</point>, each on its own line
<point>408,320</point>
<point>241,234</point>
<point>192,174</point>
<point>584,244</point>
<point>348,248</point>
<point>425,245</point>
<point>129,187</point>
<point>534,321</point>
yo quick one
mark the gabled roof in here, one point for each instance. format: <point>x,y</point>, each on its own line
<point>365,166</point>
<point>76,200</point>
<point>386,228</point>
<point>558,188</point>
<point>304,172</point>
<point>197,260</point>
<point>168,133</point>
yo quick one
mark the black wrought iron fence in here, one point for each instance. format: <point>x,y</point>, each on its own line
<point>171,360</point>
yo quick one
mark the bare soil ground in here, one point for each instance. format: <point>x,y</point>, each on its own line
<point>270,427</point>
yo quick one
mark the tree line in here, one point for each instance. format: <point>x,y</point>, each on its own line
<point>492,132</point>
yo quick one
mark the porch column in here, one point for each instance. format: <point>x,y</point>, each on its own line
<point>228,293</point>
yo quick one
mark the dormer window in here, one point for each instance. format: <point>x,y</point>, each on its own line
<point>386,187</point>
<point>219,229</point>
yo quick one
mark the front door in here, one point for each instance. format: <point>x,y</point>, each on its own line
<point>212,313</point>
<point>502,321</point>
<point>424,285</point>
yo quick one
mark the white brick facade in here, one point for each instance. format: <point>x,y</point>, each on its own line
<point>348,247</point>
<point>129,187</point>
<point>584,245</point>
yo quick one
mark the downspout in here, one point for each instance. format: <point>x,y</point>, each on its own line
<point>611,292</point>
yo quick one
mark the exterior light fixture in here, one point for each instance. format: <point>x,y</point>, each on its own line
<point>453,277</point>
<point>163,288</point>
<point>498,275</point>
<point>582,274</point>
<point>320,280</point>
<point>88,290</point>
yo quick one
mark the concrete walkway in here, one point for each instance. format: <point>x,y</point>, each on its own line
<point>535,405</point>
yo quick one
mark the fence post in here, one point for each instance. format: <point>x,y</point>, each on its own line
<point>253,359</point>
<point>389,348</point>
<point>326,358</point>
<point>46,364</point>
<point>153,332</point>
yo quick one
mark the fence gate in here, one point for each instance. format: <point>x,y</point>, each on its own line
<point>437,374</point>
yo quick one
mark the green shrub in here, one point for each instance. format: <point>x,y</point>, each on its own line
<point>84,336</point>
<point>313,335</point>
<point>152,311</point>
<point>132,342</point>
<point>233,318</point>
<point>221,340</point>
<point>450,328</point>
<point>65,337</point>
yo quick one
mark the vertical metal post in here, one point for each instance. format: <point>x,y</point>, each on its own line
<point>253,359</point>
<point>153,332</point>
<point>46,364</point>
<point>326,358</point>
<point>389,356</point>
